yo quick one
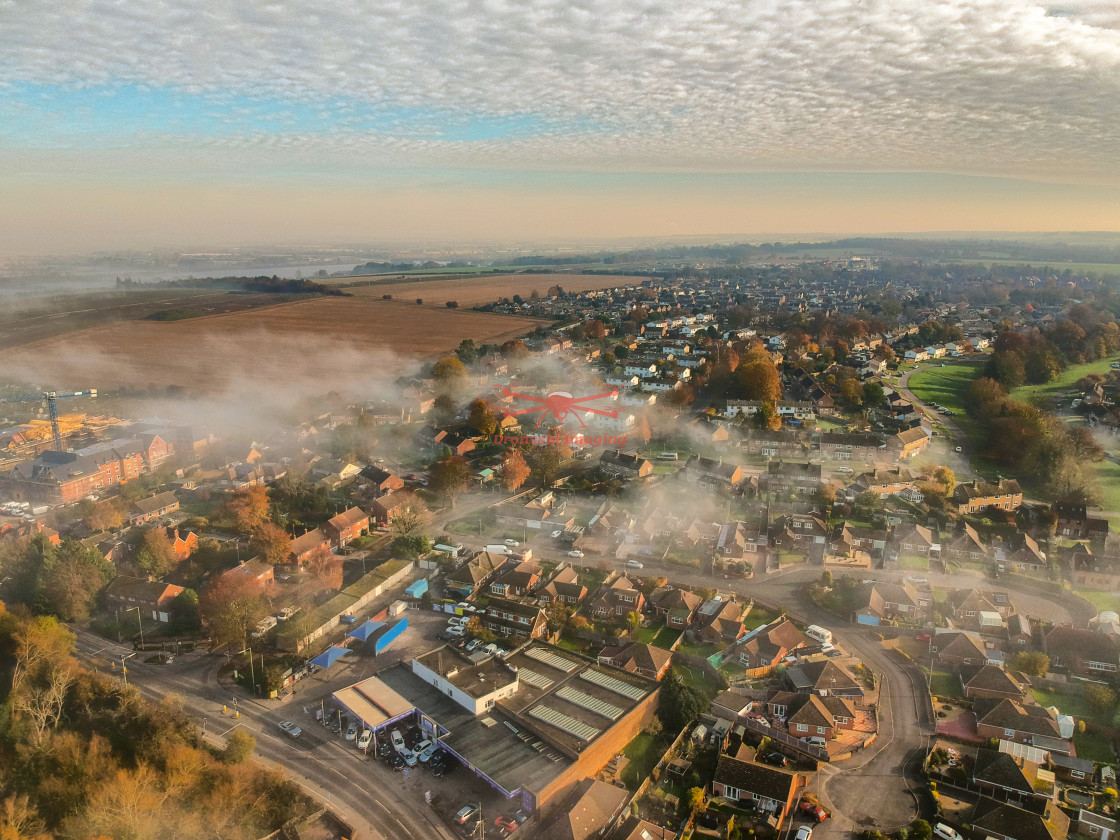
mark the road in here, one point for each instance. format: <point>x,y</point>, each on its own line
<point>362,791</point>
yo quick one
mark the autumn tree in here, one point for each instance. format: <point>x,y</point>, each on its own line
<point>61,580</point>
<point>155,555</point>
<point>482,420</point>
<point>557,613</point>
<point>239,747</point>
<point>515,348</point>
<point>515,471</point>
<point>546,460</point>
<point>104,515</point>
<point>1030,662</point>
<point>272,543</point>
<point>695,801</point>
<point>1101,699</point>
<point>450,477</point>
<point>249,508</point>
<point>230,607</point>
<point>324,568</point>
<point>466,352</point>
<point>449,369</point>
<point>641,430</point>
<point>759,380</point>
<point>946,477</point>
<point>42,676</point>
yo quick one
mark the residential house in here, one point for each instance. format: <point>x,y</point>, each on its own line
<point>791,476</point>
<point>1083,653</point>
<point>645,660</point>
<point>1070,768</point>
<point>972,609</point>
<point>718,621</point>
<point>916,540</point>
<point>615,599</point>
<point>257,571</point>
<point>1003,821</point>
<point>966,545</point>
<point>993,683</point>
<point>771,791</point>
<point>1025,555</point>
<point>304,547</point>
<point>517,581</point>
<point>625,464</point>
<point>817,716</point>
<point>884,482</point>
<point>795,530</point>
<point>908,443</point>
<point>504,617</point>
<point>1023,723</point>
<point>153,507</point>
<point>469,577</point>
<point>591,811</point>
<point>958,648</point>
<point>1020,634</point>
<point>383,509</point>
<point>760,650</point>
<point>152,597</point>
<point>563,586</point>
<point>892,602</point>
<point>1002,775</point>
<point>824,678</point>
<point>182,544</point>
<point>776,443</point>
<point>382,481</point>
<point>737,540</point>
<point>1094,825</point>
<point>850,446</point>
<point>346,527</point>
<point>712,473</point>
<point>675,606</point>
<point>1075,524</point>
<point>975,496</point>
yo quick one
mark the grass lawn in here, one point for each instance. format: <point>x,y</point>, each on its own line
<point>1093,747</point>
<point>758,616</point>
<point>665,637</point>
<point>573,644</point>
<point>944,684</point>
<point>946,385</point>
<point>1063,381</point>
<point>1100,600</point>
<point>703,651</point>
<point>1068,703</point>
<point>913,563</point>
<point>1108,474</point>
<point>646,635</point>
<point>699,679</point>
<point>644,752</point>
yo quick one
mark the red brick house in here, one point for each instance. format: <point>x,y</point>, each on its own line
<point>153,507</point>
<point>992,682</point>
<point>304,547</point>
<point>772,791</point>
<point>347,526</point>
<point>383,510</point>
<point>153,597</point>
<point>958,649</point>
<point>183,544</point>
<point>383,481</point>
<point>614,600</point>
<point>643,660</point>
<point>256,570</point>
<point>821,716</point>
<point>156,449</point>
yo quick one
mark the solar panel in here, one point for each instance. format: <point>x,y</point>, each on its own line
<point>560,663</point>
<point>592,704</point>
<point>533,678</point>
<point>612,684</point>
<point>583,731</point>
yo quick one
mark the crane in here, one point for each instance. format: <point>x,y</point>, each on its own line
<point>52,408</point>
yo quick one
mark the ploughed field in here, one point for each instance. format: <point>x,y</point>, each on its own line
<point>476,290</point>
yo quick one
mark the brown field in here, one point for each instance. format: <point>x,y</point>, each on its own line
<point>472,291</point>
<point>331,340</point>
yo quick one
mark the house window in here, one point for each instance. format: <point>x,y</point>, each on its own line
<point>1009,733</point>
<point>821,730</point>
<point>801,727</point>
<point>731,792</point>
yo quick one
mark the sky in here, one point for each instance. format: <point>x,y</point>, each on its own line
<point>181,123</point>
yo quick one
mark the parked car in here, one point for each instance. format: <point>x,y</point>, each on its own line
<point>397,739</point>
<point>506,823</point>
<point>472,644</point>
<point>635,564</point>
<point>575,553</point>
<point>512,543</point>
<point>290,729</point>
<point>814,811</point>
<point>466,814</point>
<point>365,739</point>
<point>352,731</point>
<point>490,649</point>
<point>556,534</point>
<point>803,833</point>
<point>427,753</point>
<point>348,619</point>
<point>410,758</point>
<point>458,621</point>
<point>775,759</point>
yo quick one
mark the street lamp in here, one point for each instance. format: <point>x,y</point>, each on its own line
<point>252,669</point>
<point>139,623</point>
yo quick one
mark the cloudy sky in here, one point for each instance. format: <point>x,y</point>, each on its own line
<point>187,122</point>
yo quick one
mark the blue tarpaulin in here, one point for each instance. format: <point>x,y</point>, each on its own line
<point>366,630</point>
<point>417,589</point>
<point>328,657</point>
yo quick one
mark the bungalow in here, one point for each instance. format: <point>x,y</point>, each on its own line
<point>260,573</point>
<point>346,526</point>
<point>966,545</point>
<point>644,660</point>
<point>1003,821</point>
<point>823,678</point>
<point>992,682</point>
<point>958,648</point>
<point>771,791</point>
<point>977,610</point>
<point>1004,775</point>
<point>1025,555</point>
<point>916,540</point>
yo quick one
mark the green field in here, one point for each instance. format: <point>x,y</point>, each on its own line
<point>1064,381</point>
<point>946,385</point>
<point>1056,268</point>
<point>1108,474</point>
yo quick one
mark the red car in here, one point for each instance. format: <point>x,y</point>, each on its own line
<point>507,823</point>
<point>815,812</point>
<point>924,637</point>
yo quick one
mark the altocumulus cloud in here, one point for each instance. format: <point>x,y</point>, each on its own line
<point>1007,87</point>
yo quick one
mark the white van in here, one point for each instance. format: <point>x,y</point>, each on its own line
<point>946,832</point>
<point>819,634</point>
<point>816,741</point>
